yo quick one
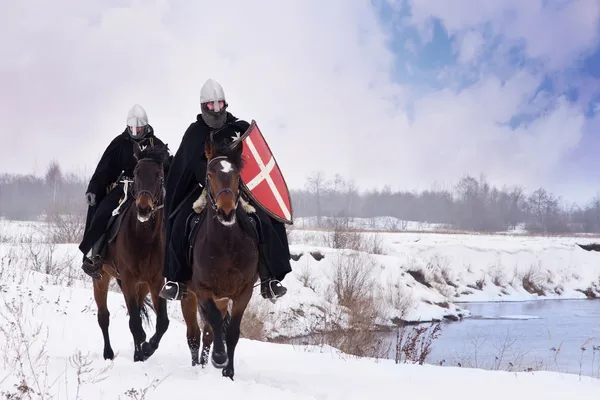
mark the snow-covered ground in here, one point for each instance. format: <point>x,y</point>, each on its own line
<point>375,223</point>
<point>50,343</point>
<point>419,276</point>
<point>415,276</point>
<point>433,269</point>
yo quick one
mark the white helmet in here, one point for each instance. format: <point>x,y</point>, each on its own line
<point>137,121</point>
<point>212,91</point>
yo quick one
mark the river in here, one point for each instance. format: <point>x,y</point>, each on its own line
<point>543,335</point>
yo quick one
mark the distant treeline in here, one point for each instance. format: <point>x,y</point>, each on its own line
<point>27,197</point>
<point>472,204</point>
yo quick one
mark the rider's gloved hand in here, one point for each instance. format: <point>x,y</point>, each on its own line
<point>90,198</point>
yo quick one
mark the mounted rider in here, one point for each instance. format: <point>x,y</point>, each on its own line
<point>184,185</point>
<point>104,192</point>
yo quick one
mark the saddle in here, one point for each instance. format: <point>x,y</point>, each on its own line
<point>112,227</point>
<point>198,215</point>
<point>115,221</point>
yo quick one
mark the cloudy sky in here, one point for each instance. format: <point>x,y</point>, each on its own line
<point>407,93</point>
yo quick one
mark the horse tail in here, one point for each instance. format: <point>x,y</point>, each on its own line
<point>147,303</point>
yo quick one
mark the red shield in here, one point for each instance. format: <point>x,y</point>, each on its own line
<point>261,177</point>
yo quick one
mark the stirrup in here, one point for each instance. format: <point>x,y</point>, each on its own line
<point>271,295</point>
<point>92,268</point>
<point>167,290</point>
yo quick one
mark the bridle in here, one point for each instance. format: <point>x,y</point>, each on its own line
<point>213,198</point>
<point>135,193</point>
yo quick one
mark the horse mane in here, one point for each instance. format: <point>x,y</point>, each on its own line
<point>234,155</point>
<point>156,153</point>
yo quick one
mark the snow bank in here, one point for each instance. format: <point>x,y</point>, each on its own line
<point>63,360</point>
<point>416,276</point>
<point>438,271</point>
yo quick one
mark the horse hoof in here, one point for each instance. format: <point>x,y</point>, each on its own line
<point>219,360</point>
<point>228,372</point>
<point>139,356</point>
<point>148,349</point>
<point>204,356</point>
<point>109,354</point>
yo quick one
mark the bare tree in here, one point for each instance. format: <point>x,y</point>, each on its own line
<point>316,184</point>
<point>53,180</point>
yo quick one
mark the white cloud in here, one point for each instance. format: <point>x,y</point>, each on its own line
<point>557,34</point>
<point>309,67</point>
<point>470,46</point>
<point>317,76</point>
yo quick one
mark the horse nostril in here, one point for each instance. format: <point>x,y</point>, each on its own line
<point>227,215</point>
<point>144,201</point>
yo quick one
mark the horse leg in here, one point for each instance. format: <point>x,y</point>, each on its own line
<point>135,318</point>
<point>222,305</point>
<point>207,341</point>
<point>100,295</point>
<point>162,320</point>
<point>233,330</point>
<point>207,337</point>
<point>213,316</point>
<point>189,309</point>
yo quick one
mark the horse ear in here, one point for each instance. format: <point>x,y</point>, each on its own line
<point>137,150</point>
<point>209,148</point>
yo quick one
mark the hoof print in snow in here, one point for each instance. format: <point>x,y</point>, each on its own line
<point>296,257</point>
<point>317,255</point>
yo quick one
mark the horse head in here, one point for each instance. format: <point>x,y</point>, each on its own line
<point>223,168</point>
<point>148,179</point>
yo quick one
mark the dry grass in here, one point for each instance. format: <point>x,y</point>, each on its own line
<point>397,295</point>
<point>253,323</point>
<point>352,278</point>
<point>340,236</point>
<point>26,363</point>
<point>400,228</point>
<point>23,346</point>
<point>306,277</point>
<point>352,320</point>
<point>414,345</point>
<point>533,281</point>
<point>63,228</point>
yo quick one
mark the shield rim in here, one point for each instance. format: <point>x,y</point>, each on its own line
<point>249,193</point>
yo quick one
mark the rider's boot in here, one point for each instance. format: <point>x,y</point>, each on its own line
<point>92,267</point>
<point>173,290</point>
<point>92,263</point>
<point>270,288</point>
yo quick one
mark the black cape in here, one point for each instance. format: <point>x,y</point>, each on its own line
<point>187,173</point>
<point>188,168</point>
<point>118,158</point>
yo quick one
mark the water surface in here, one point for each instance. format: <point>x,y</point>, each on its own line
<point>546,334</point>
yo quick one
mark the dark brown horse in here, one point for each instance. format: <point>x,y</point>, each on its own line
<point>135,257</point>
<point>224,260</point>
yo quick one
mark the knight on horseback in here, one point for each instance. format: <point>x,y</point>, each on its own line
<point>104,191</point>
<point>185,184</point>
